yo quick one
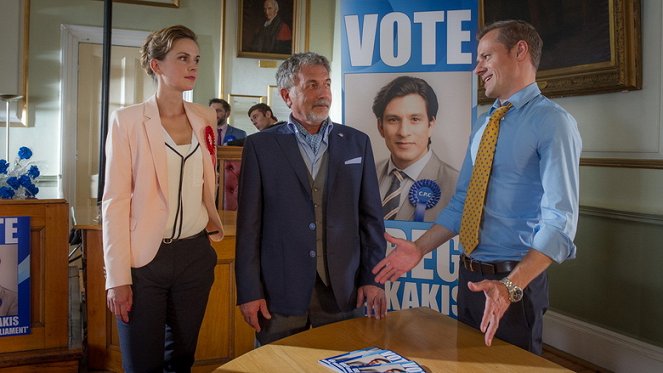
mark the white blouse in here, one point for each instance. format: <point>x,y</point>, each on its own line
<point>187,215</point>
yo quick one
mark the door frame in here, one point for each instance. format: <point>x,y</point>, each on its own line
<point>70,37</point>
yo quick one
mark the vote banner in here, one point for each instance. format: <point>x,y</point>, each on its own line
<point>429,43</point>
<point>14,275</point>
<point>386,43</point>
<point>432,283</point>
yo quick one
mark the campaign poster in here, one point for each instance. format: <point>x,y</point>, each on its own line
<point>432,283</point>
<point>14,275</point>
<point>408,83</point>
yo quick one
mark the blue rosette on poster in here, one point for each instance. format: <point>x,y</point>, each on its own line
<point>14,275</point>
<point>424,194</point>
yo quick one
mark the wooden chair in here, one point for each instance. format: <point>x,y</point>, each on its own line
<point>229,163</point>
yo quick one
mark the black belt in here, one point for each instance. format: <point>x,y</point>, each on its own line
<point>487,268</point>
<point>173,240</point>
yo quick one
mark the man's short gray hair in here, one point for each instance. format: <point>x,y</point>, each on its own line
<point>287,72</point>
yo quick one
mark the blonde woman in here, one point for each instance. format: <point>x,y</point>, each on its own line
<point>159,211</point>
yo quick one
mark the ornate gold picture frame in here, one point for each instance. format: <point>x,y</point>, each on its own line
<point>589,46</point>
<point>257,38</point>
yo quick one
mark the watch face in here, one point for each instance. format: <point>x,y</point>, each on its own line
<point>516,294</point>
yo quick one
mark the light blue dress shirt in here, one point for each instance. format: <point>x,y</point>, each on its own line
<point>532,196</point>
<point>312,156</point>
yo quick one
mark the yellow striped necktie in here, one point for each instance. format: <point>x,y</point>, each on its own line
<point>476,192</point>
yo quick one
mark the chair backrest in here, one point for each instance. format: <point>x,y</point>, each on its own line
<point>229,163</point>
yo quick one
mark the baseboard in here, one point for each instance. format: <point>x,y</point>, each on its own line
<point>599,346</point>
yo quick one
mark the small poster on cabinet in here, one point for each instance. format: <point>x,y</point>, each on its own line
<point>14,275</point>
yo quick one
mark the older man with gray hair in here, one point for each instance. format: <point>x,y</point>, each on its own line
<point>309,223</point>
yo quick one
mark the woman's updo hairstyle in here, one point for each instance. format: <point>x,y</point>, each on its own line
<point>159,43</point>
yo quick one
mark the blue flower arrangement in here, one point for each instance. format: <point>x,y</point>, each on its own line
<point>18,182</point>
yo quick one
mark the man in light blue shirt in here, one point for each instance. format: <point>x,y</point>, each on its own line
<point>531,207</point>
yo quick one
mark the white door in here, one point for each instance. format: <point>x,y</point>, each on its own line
<point>128,85</point>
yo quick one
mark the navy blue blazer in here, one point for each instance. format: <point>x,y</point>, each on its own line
<point>276,237</point>
<point>233,134</point>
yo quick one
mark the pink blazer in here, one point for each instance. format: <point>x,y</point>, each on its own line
<point>135,203</point>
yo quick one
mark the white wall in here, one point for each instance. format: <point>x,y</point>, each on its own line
<point>623,124</point>
<point>45,85</point>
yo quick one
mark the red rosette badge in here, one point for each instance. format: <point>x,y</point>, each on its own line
<point>211,143</point>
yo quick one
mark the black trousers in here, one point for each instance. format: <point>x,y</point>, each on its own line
<point>522,324</point>
<point>172,291</point>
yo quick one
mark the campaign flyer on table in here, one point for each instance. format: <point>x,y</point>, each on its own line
<point>371,359</point>
<point>14,275</point>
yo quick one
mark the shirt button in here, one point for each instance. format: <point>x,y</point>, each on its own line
<point>311,226</point>
<point>311,253</point>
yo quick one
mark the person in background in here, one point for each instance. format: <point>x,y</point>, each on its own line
<point>261,116</point>
<point>8,301</point>
<point>225,132</point>
<point>406,111</point>
<point>273,36</point>
<point>309,222</point>
<point>528,215</point>
<point>158,211</point>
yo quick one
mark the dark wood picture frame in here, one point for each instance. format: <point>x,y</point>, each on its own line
<point>254,40</point>
<point>589,46</point>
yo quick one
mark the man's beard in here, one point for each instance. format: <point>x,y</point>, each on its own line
<point>314,116</point>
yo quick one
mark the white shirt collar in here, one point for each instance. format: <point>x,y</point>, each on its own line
<point>412,171</point>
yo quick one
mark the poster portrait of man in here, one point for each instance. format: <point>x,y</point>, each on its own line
<point>8,280</point>
<point>417,128</point>
<point>266,27</point>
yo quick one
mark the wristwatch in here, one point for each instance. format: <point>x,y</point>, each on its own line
<point>515,292</point>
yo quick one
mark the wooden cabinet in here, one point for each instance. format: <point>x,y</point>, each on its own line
<point>46,349</point>
<point>224,334</point>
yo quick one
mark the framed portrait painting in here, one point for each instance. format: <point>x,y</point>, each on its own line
<point>589,46</point>
<point>266,28</point>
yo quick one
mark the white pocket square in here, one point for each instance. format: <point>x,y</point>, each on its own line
<point>353,161</point>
